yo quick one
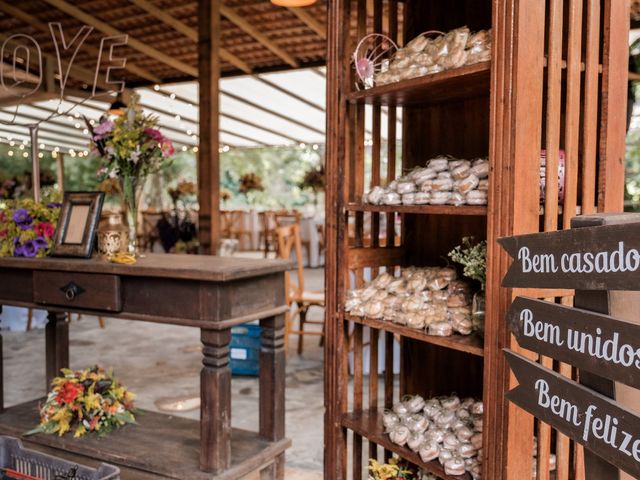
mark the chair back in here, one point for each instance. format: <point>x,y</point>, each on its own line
<point>231,222</point>
<point>284,218</point>
<point>288,241</point>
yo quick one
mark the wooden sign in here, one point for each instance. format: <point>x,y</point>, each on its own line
<point>593,258</point>
<point>587,417</point>
<point>591,341</point>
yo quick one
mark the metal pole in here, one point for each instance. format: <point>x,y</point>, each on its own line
<point>35,163</point>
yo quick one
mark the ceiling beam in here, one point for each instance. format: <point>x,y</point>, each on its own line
<point>265,41</point>
<point>58,142</point>
<point>189,32</point>
<point>43,27</point>
<point>310,21</point>
<point>104,27</point>
<point>70,134</point>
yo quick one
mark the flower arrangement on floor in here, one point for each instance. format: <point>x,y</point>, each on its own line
<point>27,228</point>
<point>130,148</point>
<point>84,401</point>
<point>177,230</point>
<point>314,180</point>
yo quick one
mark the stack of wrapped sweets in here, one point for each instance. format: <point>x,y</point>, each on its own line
<point>426,54</point>
<point>428,298</point>
<point>444,181</point>
<point>448,429</point>
<point>534,468</point>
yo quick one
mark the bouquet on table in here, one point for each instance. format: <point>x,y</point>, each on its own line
<point>130,148</point>
<point>89,400</point>
<point>27,228</point>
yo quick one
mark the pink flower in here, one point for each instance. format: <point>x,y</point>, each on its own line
<point>154,134</point>
<point>167,148</point>
<point>45,229</point>
<point>100,130</point>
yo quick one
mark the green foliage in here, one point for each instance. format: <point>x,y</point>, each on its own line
<point>473,258</point>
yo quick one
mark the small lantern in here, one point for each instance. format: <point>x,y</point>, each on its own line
<point>113,235</point>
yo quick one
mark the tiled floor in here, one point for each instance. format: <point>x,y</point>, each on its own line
<point>161,363</point>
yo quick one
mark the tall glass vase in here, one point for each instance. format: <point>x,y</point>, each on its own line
<point>131,192</point>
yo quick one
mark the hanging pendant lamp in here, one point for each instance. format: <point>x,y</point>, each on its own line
<point>293,3</point>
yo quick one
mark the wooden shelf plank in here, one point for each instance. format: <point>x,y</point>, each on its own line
<point>162,445</point>
<point>468,210</point>
<point>472,344</point>
<point>368,423</point>
<point>464,82</point>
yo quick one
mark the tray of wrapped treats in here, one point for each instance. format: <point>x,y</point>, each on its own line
<point>429,304</point>
<point>443,181</point>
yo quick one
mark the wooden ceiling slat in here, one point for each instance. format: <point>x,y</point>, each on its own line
<point>133,42</point>
<point>310,21</point>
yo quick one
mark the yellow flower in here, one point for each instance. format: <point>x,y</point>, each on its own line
<point>80,431</point>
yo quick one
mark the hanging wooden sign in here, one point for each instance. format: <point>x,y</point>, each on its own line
<point>587,417</point>
<point>592,258</point>
<point>591,341</point>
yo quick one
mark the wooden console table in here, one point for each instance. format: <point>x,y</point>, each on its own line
<point>210,293</point>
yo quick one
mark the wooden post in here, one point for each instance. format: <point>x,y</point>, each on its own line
<point>620,304</point>
<point>215,409</point>
<point>208,154</point>
<point>56,345</point>
<point>60,172</point>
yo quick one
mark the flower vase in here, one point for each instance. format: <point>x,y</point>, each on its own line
<point>477,312</point>
<point>131,192</point>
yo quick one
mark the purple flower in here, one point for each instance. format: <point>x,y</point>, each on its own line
<point>17,248</point>
<point>22,218</point>
<point>54,205</point>
<point>30,249</point>
<point>100,130</point>
<point>40,242</point>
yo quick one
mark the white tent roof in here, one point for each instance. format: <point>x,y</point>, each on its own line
<point>255,111</point>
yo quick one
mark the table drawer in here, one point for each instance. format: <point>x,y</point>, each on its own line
<point>78,290</point>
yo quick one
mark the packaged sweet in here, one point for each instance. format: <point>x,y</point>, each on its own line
<point>457,199</point>
<point>429,451</point>
<point>438,164</point>
<point>383,280</point>
<point>389,419</point>
<point>450,403</point>
<point>415,320</point>
<point>399,435</point>
<point>373,309</point>
<point>477,408</point>
<point>476,440</point>
<point>440,197</point>
<point>454,466</point>
<point>481,169</point>
<point>391,198</point>
<point>461,172</point>
<point>401,409</point>
<point>406,186</point>
<point>375,195</point>
<point>417,422</point>
<point>467,184</point>
<point>414,403</point>
<point>409,199</point>
<point>483,185</point>
<point>477,197</point>
<point>421,198</point>
<point>441,329</point>
<point>416,439</point>
<point>464,433</point>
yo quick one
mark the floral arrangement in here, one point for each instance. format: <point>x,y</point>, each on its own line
<point>225,195</point>
<point>250,182</point>
<point>473,258</point>
<point>314,179</point>
<point>184,188</point>
<point>89,400</point>
<point>27,228</point>
<point>394,470</point>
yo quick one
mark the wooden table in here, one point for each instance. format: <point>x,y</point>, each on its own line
<point>210,293</point>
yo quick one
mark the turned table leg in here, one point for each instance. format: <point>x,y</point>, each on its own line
<point>56,344</point>
<point>215,397</point>
<point>272,379</point>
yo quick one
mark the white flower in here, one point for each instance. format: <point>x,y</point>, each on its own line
<point>135,155</point>
<point>113,173</point>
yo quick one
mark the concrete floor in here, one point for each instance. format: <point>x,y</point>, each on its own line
<point>161,364</point>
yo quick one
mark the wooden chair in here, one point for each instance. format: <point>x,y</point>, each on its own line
<point>232,225</point>
<point>267,239</point>
<point>288,240</point>
<point>149,235</point>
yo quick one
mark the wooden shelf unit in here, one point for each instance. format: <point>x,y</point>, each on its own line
<point>472,344</point>
<point>368,423</point>
<point>463,210</point>
<point>464,82</point>
<point>539,92</point>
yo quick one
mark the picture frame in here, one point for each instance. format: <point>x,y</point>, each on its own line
<point>76,230</point>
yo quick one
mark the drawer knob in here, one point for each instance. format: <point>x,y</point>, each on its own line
<point>71,291</point>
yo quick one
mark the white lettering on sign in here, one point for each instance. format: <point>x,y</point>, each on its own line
<point>543,331</point>
<point>597,345</point>
<point>558,406</point>
<point>619,260</point>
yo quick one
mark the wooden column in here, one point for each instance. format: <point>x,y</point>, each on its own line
<point>56,344</point>
<point>215,395</point>
<point>208,154</point>
<point>272,399</point>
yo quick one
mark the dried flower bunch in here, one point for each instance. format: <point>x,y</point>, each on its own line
<point>395,469</point>
<point>89,400</point>
<point>314,179</point>
<point>225,194</point>
<point>250,182</point>
<point>27,228</point>
<point>473,258</point>
<point>184,188</point>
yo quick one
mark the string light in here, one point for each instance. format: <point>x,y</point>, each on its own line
<point>42,145</point>
<point>303,145</point>
<point>21,146</point>
<point>77,125</point>
<point>315,146</point>
<point>195,149</point>
<point>40,155</point>
<point>11,153</point>
<point>172,96</point>
<point>12,143</point>
<point>54,154</point>
<point>184,148</point>
<point>225,148</point>
<point>25,154</point>
<point>85,131</point>
<point>156,87</point>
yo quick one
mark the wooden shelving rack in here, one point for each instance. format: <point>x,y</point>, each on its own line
<point>549,90</point>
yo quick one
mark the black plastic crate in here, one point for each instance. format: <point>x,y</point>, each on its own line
<point>45,467</point>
